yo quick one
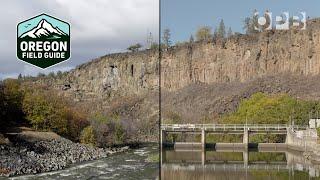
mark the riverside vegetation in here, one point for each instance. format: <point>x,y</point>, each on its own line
<point>260,108</point>
<point>44,111</point>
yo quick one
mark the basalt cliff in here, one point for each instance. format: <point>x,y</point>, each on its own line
<point>198,79</point>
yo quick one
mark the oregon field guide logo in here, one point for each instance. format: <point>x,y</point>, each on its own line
<point>43,41</point>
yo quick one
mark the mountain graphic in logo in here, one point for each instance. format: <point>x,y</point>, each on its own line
<point>44,30</point>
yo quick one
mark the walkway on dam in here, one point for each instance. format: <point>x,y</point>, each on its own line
<point>242,129</point>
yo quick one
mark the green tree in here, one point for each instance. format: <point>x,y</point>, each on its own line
<point>150,40</point>
<point>251,23</point>
<point>154,46</point>
<point>51,75</point>
<point>59,74</point>
<point>135,47</point>
<point>268,20</point>
<point>3,108</point>
<point>12,101</point>
<point>221,32</point>
<point>215,34</point>
<point>108,130</point>
<point>45,111</point>
<point>229,33</point>
<point>204,33</point>
<point>20,76</point>
<point>88,136</point>
<point>191,40</point>
<point>262,108</point>
<point>41,75</point>
<point>119,133</point>
<point>247,25</point>
<point>166,38</point>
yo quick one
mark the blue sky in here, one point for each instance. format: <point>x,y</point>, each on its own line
<point>183,17</point>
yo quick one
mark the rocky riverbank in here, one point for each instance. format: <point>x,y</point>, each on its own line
<point>47,155</point>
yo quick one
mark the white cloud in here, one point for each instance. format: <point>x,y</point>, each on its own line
<point>98,27</point>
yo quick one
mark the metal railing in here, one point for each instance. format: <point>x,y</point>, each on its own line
<point>231,127</point>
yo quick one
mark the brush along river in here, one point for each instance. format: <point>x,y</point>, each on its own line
<point>133,164</point>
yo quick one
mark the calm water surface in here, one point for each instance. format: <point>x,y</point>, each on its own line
<point>236,164</point>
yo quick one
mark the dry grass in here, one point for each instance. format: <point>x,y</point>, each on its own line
<point>32,136</point>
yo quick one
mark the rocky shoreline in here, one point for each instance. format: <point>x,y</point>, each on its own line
<point>47,155</point>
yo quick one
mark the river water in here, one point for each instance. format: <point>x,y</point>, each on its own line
<point>237,164</point>
<point>130,165</point>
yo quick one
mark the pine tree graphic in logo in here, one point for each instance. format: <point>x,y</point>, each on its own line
<point>43,41</point>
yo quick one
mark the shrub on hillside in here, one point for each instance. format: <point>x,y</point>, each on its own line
<point>39,107</point>
<point>108,130</point>
<point>10,102</point>
<point>46,111</point>
<point>262,108</point>
<point>76,122</point>
<point>2,107</point>
<point>87,136</point>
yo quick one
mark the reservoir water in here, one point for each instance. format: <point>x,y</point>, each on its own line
<point>237,164</point>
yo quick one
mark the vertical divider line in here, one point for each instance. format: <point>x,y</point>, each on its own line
<point>159,71</point>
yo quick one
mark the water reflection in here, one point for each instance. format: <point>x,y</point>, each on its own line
<point>226,163</point>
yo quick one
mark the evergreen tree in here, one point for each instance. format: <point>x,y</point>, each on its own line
<point>230,33</point>
<point>191,40</point>
<point>221,30</point>
<point>166,38</point>
<point>215,34</point>
<point>135,47</point>
<point>251,23</point>
<point>150,40</point>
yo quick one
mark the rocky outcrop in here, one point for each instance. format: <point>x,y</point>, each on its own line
<point>233,63</point>
<point>124,74</point>
<point>240,58</point>
<point>243,57</point>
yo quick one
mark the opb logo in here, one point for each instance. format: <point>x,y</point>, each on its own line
<point>282,22</point>
<point>43,41</point>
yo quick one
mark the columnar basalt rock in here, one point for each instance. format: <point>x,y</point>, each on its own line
<point>243,58</point>
<point>123,74</point>
<point>239,59</point>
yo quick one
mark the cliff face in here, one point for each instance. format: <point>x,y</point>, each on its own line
<point>244,58</point>
<point>238,59</point>
<point>197,71</point>
<point>111,76</point>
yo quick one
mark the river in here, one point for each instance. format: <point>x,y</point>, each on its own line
<point>133,164</point>
<point>237,164</point>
